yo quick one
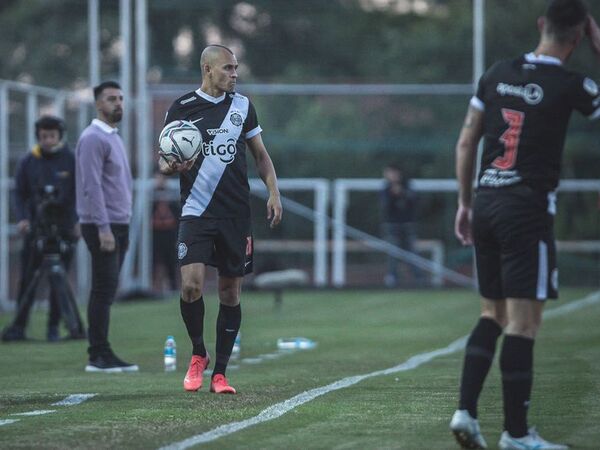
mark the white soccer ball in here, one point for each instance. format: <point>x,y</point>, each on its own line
<point>180,140</point>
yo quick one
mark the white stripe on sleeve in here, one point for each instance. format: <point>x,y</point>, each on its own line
<point>477,103</point>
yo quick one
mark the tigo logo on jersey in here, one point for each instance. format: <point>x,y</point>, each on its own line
<point>225,152</point>
<point>532,93</point>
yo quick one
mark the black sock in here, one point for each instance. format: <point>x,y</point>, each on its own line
<point>479,355</point>
<point>516,364</point>
<point>193,316</point>
<point>228,325</point>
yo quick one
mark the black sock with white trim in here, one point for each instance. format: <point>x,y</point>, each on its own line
<point>516,364</point>
<point>479,355</point>
<point>193,317</point>
<point>228,325</point>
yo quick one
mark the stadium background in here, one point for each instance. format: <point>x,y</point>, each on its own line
<point>340,48</point>
<point>322,55</point>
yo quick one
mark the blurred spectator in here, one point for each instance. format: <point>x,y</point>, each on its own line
<point>48,168</point>
<point>398,204</point>
<point>165,214</point>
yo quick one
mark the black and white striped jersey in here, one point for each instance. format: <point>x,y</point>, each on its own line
<point>527,103</point>
<point>217,185</point>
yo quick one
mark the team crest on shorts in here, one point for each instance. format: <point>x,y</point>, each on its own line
<point>181,250</point>
<point>236,119</point>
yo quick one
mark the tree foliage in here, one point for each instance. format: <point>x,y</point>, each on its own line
<point>302,41</point>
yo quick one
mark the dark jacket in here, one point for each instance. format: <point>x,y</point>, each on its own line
<point>398,208</point>
<point>39,169</point>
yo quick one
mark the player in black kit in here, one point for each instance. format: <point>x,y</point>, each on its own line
<point>214,228</point>
<point>521,109</point>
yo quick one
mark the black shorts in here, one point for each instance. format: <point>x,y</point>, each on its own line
<point>514,243</point>
<point>223,243</point>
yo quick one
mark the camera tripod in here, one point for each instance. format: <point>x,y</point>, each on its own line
<point>52,267</point>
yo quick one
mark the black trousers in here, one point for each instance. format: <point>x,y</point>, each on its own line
<point>105,280</point>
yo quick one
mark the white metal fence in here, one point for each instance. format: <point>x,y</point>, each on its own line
<point>33,100</point>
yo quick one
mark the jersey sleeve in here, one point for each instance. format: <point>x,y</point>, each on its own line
<point>585,97</point>
<point>477,101</point>
<point>172,114</point>
<point>484,86</point>
<point>251,126</point>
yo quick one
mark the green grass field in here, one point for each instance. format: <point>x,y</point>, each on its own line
<point>358,332</point>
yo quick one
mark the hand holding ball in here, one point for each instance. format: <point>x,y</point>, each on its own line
<point>180,141</point>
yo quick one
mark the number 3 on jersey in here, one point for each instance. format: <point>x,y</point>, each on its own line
<point>510,138</point>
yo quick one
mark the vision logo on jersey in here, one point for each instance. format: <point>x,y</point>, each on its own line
<point>215,131</point>
<point>532,93</point>
<point>225,152</point>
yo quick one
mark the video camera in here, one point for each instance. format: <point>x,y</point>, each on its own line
<point>51,241</point>
<point>50,228</point>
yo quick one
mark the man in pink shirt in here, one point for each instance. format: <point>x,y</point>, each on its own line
<point>104,187</point>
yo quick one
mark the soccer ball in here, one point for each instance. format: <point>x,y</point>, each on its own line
<point>180,140</point>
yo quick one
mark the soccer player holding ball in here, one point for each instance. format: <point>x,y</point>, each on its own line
<point>214,227</point>
<point>522,107</point>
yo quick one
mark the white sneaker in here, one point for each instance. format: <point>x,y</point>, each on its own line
<point>532,441</point>
<point>466,430</point>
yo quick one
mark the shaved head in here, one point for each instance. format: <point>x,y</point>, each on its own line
<point>213,53</point>
<point>219,70</point>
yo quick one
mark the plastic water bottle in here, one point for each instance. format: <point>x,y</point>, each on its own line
<point>295,343</point>
<point>237,344</point>
<point>170,354</point>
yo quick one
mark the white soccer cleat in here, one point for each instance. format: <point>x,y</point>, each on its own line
<point>466,430</point>
<point>532,441</point>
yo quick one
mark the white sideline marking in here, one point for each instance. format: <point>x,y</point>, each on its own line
<point>279,409</point>
<point>590,299</point>
<point>270,356</point>
<point>260,358</point>
<point>37,412</point>
<point>74,399</point>
<point>8,421</point>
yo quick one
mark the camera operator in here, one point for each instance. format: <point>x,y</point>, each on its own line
<point>45,211</point>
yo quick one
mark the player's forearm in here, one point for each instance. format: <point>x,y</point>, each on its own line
<point>465,156</point>
<point>266,171</point>
<point>270,180</point>
<point>466,150</point>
